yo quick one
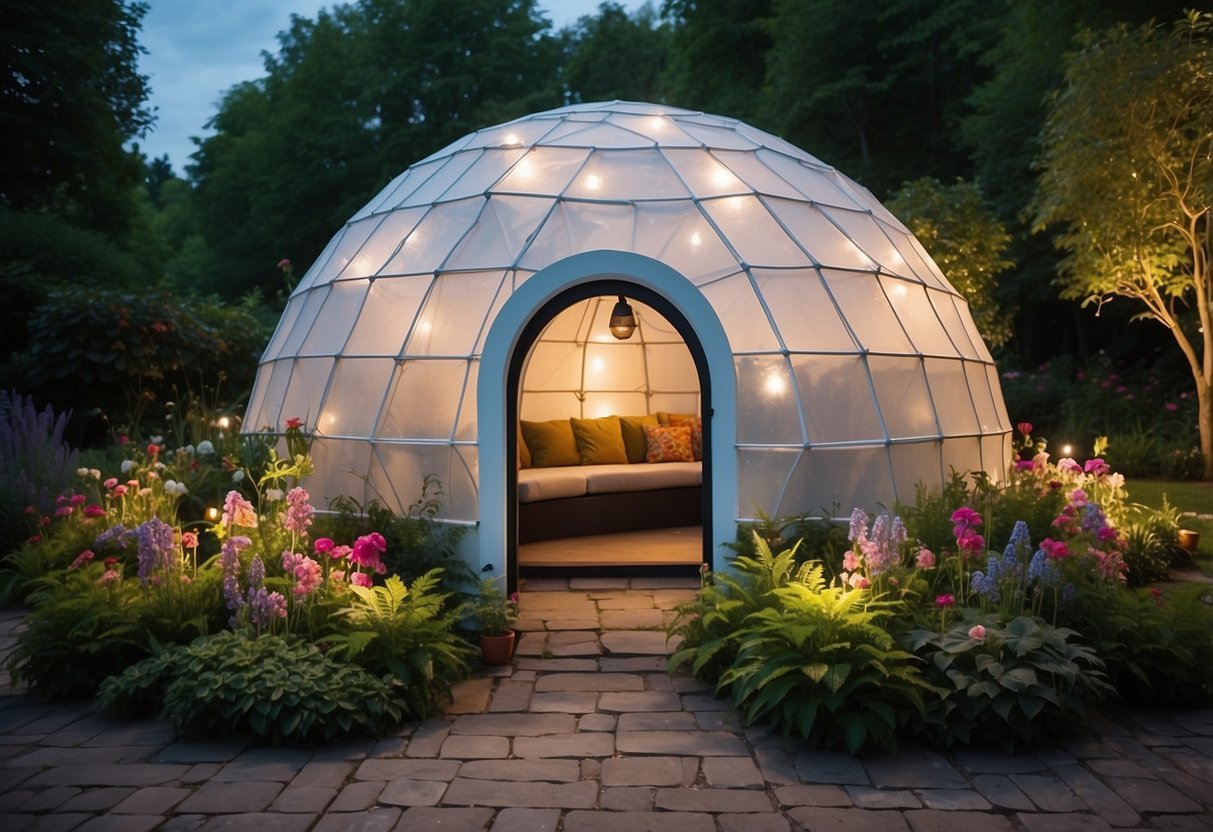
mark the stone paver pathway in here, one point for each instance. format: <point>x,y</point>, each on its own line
<point>586,732</point>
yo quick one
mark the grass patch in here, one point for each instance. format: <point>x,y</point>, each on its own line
<point>1187,496</point>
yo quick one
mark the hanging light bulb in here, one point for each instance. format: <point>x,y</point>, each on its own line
<point>623,320</point>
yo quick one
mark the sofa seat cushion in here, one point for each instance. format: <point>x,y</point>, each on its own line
<point>537,484</point>
<point>608,479</point>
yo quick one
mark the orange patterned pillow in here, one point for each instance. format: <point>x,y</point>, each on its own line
<point>672,444</point>
<point>695,423</point>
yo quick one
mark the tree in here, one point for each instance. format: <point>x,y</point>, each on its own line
<point>966,240</point>
<point>612,55</point>
<point>1128,178</point>
<point>71,97</point>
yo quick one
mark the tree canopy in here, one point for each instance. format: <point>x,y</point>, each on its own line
<point>1128,177</point>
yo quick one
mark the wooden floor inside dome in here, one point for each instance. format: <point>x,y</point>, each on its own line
<point>678,547</point>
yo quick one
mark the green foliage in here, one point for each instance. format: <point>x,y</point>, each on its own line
<point>417,542</point>
<point>1019,684</point>
<point>1151,543</point>
<point>616,56</point>
<point>403,631</point>
<point>1128,162</point>
<point>124,351</point>
<point>820,663</point>
<point>1158,644</point>
<point>492,612</point>
<point>271,689</point>
<point>966,240</point>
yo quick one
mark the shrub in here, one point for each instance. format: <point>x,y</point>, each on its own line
<point>403,631</point>
<point>36,465</point>
<point>1018,684</point>
<point>271,688</point>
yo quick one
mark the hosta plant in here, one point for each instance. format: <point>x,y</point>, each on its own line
<point>270,689</point>
<point>1018,684</point>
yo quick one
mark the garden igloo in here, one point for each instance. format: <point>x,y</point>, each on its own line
<point>800,335</point>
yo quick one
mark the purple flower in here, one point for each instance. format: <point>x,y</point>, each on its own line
<point>229,562</point>
<point>859,526</point>
<point>157,548</point>
<point>298,517</point>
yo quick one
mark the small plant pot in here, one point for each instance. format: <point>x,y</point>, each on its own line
<point>497,651</point>
<point>1189,540</point>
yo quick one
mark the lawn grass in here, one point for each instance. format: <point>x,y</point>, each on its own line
<point>1187,496</point>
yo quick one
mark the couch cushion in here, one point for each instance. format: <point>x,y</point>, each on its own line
<point>632,428</point>
<point>551,443</point>
<point>667,444</point>
<point>600,441</point>
<point>537,484</point>
<point>695,423</point>
<point>608,479</point>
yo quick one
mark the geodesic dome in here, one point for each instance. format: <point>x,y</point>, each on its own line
<point>856,370</point>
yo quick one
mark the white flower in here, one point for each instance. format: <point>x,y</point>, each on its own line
<point>126,466</point>
<point>175,488</point>
<point>274,494</point>
<point>237,475</point>
<point>188,450</point>
<point>157,440</point>
<point>205,447</point>
<point>95,473</point>
<point>82,472</point>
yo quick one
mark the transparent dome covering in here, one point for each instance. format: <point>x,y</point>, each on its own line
<point>857,370</point>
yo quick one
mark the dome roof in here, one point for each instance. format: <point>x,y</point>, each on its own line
<point>859,371</point>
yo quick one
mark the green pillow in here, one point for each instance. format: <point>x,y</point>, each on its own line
<point>600,441</point>
<point>632,428</point>
<point>551,443</point>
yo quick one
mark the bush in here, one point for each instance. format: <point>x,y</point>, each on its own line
<point>1018,684</point>
<point>269,688</point>
<point>36,466</point>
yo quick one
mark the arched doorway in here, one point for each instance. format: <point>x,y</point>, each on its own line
<point>531,333</point>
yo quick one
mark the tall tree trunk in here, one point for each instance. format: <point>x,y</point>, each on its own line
<point>1204,407</point>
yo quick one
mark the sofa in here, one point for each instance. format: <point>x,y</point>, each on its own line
<point>579,477</point>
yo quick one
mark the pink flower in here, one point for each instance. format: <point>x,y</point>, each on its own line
<point>367,550</point>
<point>77,499</point>
<point>925,559</point>
<point>64,511</point>
<point>1068,466</point>
<point>298,516</point>
<point>294,423</point>
<point>110,483</point>
<point>1055,549</point>
<point>189,540</point>
<point>966,515</point>
<point>284,263</point>
<point>1097,467</point>
<point>358,579</point>
<point>850,561</point>
<point>340,552</point>
<point>82,559</point>
<point>153,450</point>
<point>238,511</point>
<point>323,545</point>
<point>1171,406</point>
<point>1024,427</point>
<point>977,632</point>
<point>945,601</point>
<point>119,490</point>
<point>1156,594</point>
<point>110,577</point>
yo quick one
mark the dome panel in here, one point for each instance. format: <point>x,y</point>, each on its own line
<point>812,182</point>
<point>671,368</point>
<point>705,175</point>
<point>962,454</point>
<point>338,313</point>
<point>381,244</point>
<point>674,402</point>
<point>953,400</point>
<point>402,468</point>
<point>837,398</point>
<point>614,367</point>
<point>613,403</point>
<point>355,396</point>
<point>308,379</point>
<point>453,313</point>
<point>626,175</point>
<point>753,233</point>
<point>903,398</point>
<point>867,234</point>
<point>766,411</point>
<point>682,239</point>
<point>456,168</point>
<point>867,310</point>
<point>713,136</point>
<point>414,178</point>
<point>749,168</point>
<point>390,307</point>
<point>804,313</point>
<point>917,316</point>
<point>762,474</point>
<point>438,385</point>
<point>658,128</point>
<point>467,421</point>
<point>265,401</point>
<point>946,308</point>
<point>829,477</point>
<point>431,240</point>
<point>914,463</point>
<point>483,175</point>
<point>823,240</point>
<point>461,490</point>
<point>301,327</point>
<point>347,460</point>
<point>983,400</point>
<point>518,133</point>
<point>744,320</point>
<point>544,171</point>
<point>599,133</point>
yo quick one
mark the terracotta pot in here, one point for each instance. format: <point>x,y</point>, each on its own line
<point>1189,540</point>
<point>498,650</point>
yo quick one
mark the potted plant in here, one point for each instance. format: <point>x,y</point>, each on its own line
<point>493,612</point>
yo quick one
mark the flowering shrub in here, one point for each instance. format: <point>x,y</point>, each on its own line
<point>35,465</point>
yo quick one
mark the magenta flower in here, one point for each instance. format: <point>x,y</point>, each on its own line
<point>367,550</point>
<point>298,512</point>
<point>323,545</point>
<point>1025,428</point>
<point>945,601</point>
<point>1055,549</point>
<point>1097,467</point>
<point>1171,406</point>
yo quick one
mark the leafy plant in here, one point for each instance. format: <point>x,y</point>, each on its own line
<point>272,688</point>
<point>36,465</point>
<point>492,611</point>
<point>820,664</point>
<point>403,631</point>
<point>1018,684</point>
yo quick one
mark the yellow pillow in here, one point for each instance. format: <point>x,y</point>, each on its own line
<point>551,443</point>
<point>665,419</point>
<point>632,428</point>
<point>695,423</point>
<point>524,453</point>
<point>667,444</point>
<point>600,441</point>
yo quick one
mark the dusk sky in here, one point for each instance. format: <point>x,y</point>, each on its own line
<point>197,51</point>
